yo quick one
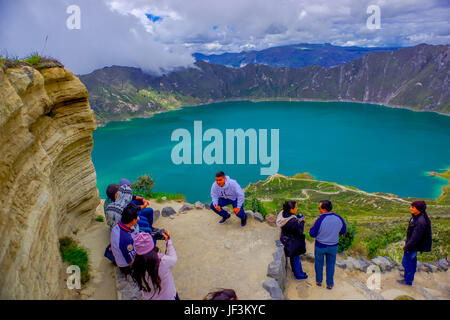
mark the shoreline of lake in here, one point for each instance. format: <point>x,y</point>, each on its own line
<point>151,114</point>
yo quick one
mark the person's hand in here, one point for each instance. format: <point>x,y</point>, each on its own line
<point>218,208</point>
<point>166,235</point>
<point>303,219</point>
<point>236,210</point>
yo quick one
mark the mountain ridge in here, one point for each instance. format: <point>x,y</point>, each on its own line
<point>292,56</point>
<point>414,78</point>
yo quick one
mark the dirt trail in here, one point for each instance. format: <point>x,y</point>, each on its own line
<point>102,285</point>
<point>211,255</point>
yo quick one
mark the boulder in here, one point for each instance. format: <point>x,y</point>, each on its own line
<point>168,211</point>
<point>249,212</point>
<point>277,268</point>
<point>198,205</point>
<point>278,243</point>
<point>227,209</point>
<point>271,220</point>
<point>383,263</point>
<point>258,216</point>
<point>186,207</point>
<point>431,267</point>
<point>422,267</point>
<point>207,206</point>
<point>341,264</point>
<point>442,264</point>
<point>164,198</point>
<point>156,215</point>
<point>274,289</point>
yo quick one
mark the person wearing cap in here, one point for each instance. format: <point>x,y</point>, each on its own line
<point>145,212</point>
<point>151,269</point>
<point>122,244</point>
<point>418,238</point>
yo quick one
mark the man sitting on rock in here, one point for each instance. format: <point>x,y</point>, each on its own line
<point>122,197</point>
<point>122,244</point>
<point>226,191</point>
<point>145,212</point>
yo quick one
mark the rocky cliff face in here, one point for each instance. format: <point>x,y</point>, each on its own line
<point>47,179</point>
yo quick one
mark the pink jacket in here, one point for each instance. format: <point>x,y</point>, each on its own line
<point>168,290</point>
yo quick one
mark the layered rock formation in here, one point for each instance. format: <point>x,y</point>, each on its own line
<point>47,179</point>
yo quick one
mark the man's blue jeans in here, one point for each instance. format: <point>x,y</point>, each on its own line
<point>296,265</point>
<point>225,202</point>
<point>145,221</point>
<point>409,262</point>
<point>320,254</point>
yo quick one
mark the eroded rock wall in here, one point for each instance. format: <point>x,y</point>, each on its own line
<point>47,179</point>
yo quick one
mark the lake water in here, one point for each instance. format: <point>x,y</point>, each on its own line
<point>374,148</point>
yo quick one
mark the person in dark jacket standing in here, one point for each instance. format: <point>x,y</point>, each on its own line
<point>292,236</point>
<point>326,230</point>
<point>418,238</point>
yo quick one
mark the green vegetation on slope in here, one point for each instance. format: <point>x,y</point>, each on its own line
<point>75,255</point>
<point>33,60</point>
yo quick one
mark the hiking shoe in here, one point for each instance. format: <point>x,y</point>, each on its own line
<point>319,284</point>
<point>243,222</point>
<point>303,277</point>
<point>403,282</point>
<point>224,219</point>
<point>329,287</point>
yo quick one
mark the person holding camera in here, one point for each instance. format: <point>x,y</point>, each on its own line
<point>151,269</point>
<point>226,191</point>
<point>292,236</point>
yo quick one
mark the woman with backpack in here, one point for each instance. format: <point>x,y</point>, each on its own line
<point>151,270</point>
<point>292,236</point>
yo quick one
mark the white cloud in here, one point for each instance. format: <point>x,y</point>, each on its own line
<point>118,31</point>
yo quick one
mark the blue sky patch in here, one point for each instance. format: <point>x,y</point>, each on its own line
<point>153,18</point>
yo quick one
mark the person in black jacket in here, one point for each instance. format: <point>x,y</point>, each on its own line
<point>292,236</point>
<point>418,238</point>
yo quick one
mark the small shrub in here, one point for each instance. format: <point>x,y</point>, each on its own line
<point>346,240</point>
<point>144,185</point>
<point>72,254</point>
<point>169,196</point>
<point>100,219</point>
<point>256,206</point>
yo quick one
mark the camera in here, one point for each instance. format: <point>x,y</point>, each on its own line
<point>157,234</point>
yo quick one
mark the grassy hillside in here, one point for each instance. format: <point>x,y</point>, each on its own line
<point>381,219</point>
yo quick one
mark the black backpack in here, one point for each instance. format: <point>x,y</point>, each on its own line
<point>293,246</point>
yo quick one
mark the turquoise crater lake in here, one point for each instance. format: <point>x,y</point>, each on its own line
<point>371,147</point>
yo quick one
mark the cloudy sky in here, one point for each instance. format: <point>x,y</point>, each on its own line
<point>160,35</point>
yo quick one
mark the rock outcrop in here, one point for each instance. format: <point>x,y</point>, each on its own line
<point>47,179</point>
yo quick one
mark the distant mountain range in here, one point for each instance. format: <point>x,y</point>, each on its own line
<point>292,56</point>
<point>416,78</point>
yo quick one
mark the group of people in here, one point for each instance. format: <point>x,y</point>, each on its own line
<point>133,246</point>
<point>133,238</point>
<point>326,230</point>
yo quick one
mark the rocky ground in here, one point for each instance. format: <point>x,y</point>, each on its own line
<point>212,256</point>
